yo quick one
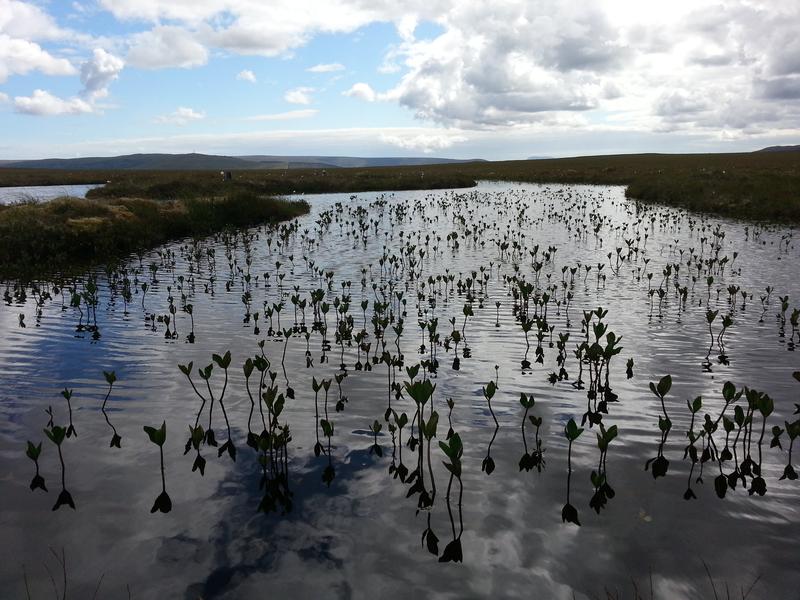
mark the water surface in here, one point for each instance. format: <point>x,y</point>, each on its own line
<point>360,535</point>
<point>42,193</point>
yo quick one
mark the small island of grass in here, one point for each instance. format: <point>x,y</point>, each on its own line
<point>39,238</point>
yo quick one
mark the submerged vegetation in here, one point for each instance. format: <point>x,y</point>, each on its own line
<point>66,232</point>
<point>140,209</point>
<point>562,290</point>
<point>760,185</point>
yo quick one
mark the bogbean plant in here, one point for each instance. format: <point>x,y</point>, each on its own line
<point>163,503</point>
<point>532,299</point>
<point>197,435</point>
<point>748,422</point>
<point>534,459</point>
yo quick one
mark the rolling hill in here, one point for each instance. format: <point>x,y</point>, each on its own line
<point>206,162</point>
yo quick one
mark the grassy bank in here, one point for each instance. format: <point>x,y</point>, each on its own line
<point>68,232</point>
<point>192,184</point>
<point>761,186</point>
<point>10,177</point>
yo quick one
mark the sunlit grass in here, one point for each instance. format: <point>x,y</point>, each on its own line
<point>67,232</point>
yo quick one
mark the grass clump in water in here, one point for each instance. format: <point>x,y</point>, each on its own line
<point>66,232</point>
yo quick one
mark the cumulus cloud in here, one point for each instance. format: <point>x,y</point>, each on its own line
<point>246,75</point>
<point>326,68</point>
<point>98,72</point>
<point>517,62</point>
<point>362,91</point>
<point>298,95</point>
<point>43,103</point>
<point>182,116</point>
<point>27,21</point>
<point>18,57</point>
<point>722,68</point>
<point>3,98</point>
<point>285,116</point>
<point>166,46</point>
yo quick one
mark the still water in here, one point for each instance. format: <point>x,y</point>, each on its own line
<point>343,524</point>
<point>42,193</point>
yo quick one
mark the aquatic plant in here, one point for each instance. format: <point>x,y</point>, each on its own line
<point>158,436</point>
<point>33,452</point>
<point>572,432</point>
<point>57,434</point>
<point>111,378</point>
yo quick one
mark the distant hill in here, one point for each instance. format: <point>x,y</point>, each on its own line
<point>350,161</point>
<point>205,162</point>
<point>780,149</point>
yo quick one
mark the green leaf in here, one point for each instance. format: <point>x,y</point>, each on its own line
<point>572,431</point>
<point>766,405</point>
<point>56,434</point>
<point>664,385</point>
<point>738,415</point>
<point>430,426</point>
<point>157,436</point>
<point>248,367</point>
<point>110,376</point>
<point>32,451</point>
<point>728,391</point>
<point>727,424</point>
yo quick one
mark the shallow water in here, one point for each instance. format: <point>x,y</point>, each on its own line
<point>361,535</point>
<point>42,193</point>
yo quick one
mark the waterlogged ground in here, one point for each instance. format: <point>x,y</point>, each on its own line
<point>41,193</point>
<point>501,520</point>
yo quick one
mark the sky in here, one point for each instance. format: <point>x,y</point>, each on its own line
<point>499,79</point>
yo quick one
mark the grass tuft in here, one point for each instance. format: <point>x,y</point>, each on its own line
<point>66,232</point>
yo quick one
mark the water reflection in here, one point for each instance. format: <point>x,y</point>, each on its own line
<point>42,193</point>
<point>514,311</point>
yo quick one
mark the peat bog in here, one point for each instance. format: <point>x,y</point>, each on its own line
<point>465,392</point>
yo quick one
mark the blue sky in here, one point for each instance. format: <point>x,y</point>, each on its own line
<point>507,79</point>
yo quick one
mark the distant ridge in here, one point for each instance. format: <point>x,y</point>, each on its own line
<point>780,149</point>
<point>205,162</point>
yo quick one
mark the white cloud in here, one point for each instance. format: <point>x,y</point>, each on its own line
<point>285,116</point>
<point>96,75</point>
<point>43,103</point>
<point>246,75</point>
<point>362,91</point>
<point>424,142</point>
<point>717,68</point>
<point>326,68</point>
<point>3,98</point>
<point>98,72</point>
<point>18,57</point>
<point>516,62</point>
<point>299,95</point>
<point>26,21</point>
<point>166,46</point>
<point>182,116</point>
